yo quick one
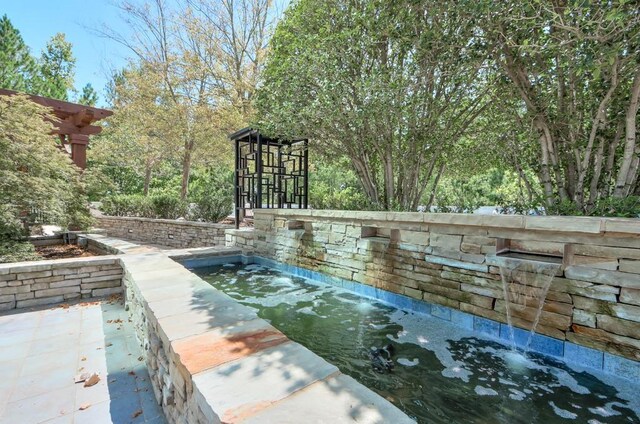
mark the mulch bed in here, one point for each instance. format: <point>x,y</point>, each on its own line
<point>60,251</point>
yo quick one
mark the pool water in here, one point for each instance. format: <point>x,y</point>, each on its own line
<point>443,373</point>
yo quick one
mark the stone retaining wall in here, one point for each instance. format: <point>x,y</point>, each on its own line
<point>242,238</point>
<point>212,360</point>
<point>27,284</point>
<point>164,232</point>
<point>446,259</point>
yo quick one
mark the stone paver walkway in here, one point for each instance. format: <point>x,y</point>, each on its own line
<point>42,351</point>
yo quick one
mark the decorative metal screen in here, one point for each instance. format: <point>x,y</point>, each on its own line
<point>270,173</point>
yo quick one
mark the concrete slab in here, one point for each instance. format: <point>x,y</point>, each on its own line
<point>239,388</point>
<point>336,400</point>
<point>48,347</point>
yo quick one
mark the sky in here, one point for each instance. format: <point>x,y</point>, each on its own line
<point>96,56</point>
<point>39,20</point>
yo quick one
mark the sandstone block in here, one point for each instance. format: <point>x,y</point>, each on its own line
<point>101,284</point>
<point>587,319</point>
<point>39,301</point>
<point>445,241</point>
<point>631,296</point>
<point>601,276</point>
<point>106,291</point>
<point>619,326</point>
<point>65,283</point>
<point>7,298</point>
<point>56,292</point>
<point>36,274</point>
<point>441,300</point>
<point>49,279</point>
<point>625,266</point>
<point>96,279</point>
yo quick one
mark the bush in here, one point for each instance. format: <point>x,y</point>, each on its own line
<point>168,206</point>
<point>127,205</point>
<point>165,206</point>
<point>211,194</point>
<point>17,251</point>
<point>36,175</point>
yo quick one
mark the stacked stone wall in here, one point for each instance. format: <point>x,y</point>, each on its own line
<point>446,259</point>
<point>164,232</point>
<point>241,238</point>
<point>28,284</point>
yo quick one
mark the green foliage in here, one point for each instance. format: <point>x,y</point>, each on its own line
<point>160,206</point>
<point>50,76</point>
<point>36,175</point>
<point>17,251</point>
<point>334,187</point>
<point>17,67</point>
<point>211,199</point>
<point>211,192</point>
<point>128,205</point>
<point>88,96</point>
<point>496,187</point>
<point>628,207</point>
<point>384,83</point>
<point>57,68</point>
<point>168,206</point>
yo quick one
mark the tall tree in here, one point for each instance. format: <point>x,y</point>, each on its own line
<point>17,67</point>
<point>88,96</point>
<point>393,85</point>
<point>575,69</point>
<point>57,68</point>
<point>200,54</point>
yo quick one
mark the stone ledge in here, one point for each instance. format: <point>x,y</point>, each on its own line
<point>182,318</point>
<point>167,221</point>
<point>563,224</point>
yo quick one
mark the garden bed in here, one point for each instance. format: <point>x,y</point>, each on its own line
<point>61,251</point>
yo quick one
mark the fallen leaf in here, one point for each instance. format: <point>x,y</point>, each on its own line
<point>84,358</point>
<point>132,373</point>
<point>109,344</point>
<point>137,413</point>
<point>79,378</point>
<point>140,358</point>
<point>84,406</point>
<point>92,381</point>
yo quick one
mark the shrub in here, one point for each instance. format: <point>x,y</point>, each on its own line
<point>168,206</point>
<point>37,178</point>
<point>211,194</point>
<point>17,251</point>
<point>165,206</point>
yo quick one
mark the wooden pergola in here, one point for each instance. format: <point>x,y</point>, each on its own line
<point>74,124</point>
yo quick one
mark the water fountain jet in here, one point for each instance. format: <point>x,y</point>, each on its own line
<point>526,279</point>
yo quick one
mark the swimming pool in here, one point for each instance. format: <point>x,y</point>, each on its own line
<point>443,373</point>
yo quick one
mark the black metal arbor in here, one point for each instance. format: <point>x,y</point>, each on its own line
<point>270,173</point>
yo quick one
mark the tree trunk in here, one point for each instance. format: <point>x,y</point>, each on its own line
<point>186,170</point>
<point>622,181</point>
<point>432,197</point>
<point>147,179</point>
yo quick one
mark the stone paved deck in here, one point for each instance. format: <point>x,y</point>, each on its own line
<point>42,350</point>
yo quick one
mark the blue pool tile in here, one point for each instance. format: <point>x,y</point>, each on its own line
<point>623,367</point>
<point>401,302</point>
<point>211,261</point>
<point>520,336</point>
<point>486,326</point>
<point>365,290</point>
<point>441,312</point>
<point>421,307</point>
<point>583,355</point>
<point>462,319</point>
<point>547,345</point>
